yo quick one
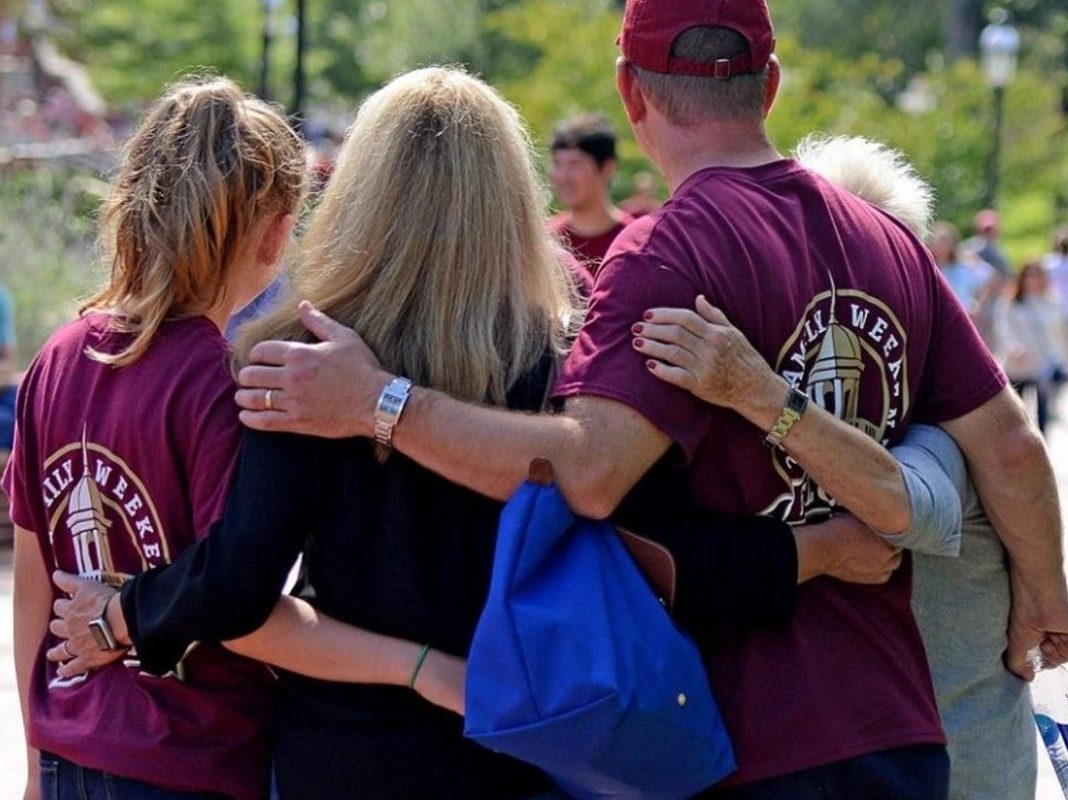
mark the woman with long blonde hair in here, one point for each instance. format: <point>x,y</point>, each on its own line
<point>430,240</point>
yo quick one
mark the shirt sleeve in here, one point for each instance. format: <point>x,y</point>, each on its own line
<point>960,374</point>
<point>226,584</point>
<point>937,483</point>
<point>605,364</point>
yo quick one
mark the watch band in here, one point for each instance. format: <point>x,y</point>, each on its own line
<point>792,411</point>
<point>390,406</point>
<point>102,633</point>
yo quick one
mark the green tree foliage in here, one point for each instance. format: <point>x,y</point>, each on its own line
<point>46,250</point>
<point>134,47</point>
<point>846,62</point>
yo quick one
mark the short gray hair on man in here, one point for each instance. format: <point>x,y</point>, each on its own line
<point>688,100</point>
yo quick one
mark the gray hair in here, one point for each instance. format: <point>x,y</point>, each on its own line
<point>687,100</point>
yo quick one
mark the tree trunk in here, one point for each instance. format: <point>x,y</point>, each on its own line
<point>963,22</point>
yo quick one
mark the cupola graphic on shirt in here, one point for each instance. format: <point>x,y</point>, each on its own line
<point>88,526</point>
<point>103,524</point>
<point>847,354</point>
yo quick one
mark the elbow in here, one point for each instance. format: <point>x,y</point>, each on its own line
<point>896,520</point>
<point>241,609</point>
<point>1020,448</point>
<point>243,646</point>
<point>594,495</point>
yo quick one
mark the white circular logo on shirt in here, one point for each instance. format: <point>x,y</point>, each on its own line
<point>97,509</point>
<point>848,354</point>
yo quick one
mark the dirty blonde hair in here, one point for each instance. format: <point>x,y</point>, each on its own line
<point>431,242</point>
<point>207,165</point>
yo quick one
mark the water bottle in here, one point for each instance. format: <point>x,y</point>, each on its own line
<point>1049,695</point>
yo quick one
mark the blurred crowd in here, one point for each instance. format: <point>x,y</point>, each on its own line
<point>45,97</point>
<point>1021,312</point>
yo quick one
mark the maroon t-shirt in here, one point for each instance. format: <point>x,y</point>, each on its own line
<point>590,250</point>
<point>116,471</point>
<point>848,306</point>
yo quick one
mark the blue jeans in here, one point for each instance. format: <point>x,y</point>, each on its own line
<point>920,772</point>
<point>65,780</point>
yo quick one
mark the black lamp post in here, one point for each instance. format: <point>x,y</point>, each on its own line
<point>999,44</point>
<point>299,88</point>
<point>270,13</point>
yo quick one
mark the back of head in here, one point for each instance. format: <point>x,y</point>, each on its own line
<point>590,133</point>
<point>430,239</point>
<point>207,164</point>
<point>700,60</point>
<point>987,223</point>
<point>944,242</point>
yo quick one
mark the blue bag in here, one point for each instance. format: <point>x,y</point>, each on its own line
<point>577,668</point>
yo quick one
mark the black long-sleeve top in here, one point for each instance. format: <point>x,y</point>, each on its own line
<point>399,550</point>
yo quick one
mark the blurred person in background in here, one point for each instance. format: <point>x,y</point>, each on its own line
<point>8,370</point>
<point>974,282</point>
<point>644,200</point>
<point>583,166</point>
<point>985,243</point>
<point>1055,263</point>
<point>985,246</point>
<point>1034,339</point>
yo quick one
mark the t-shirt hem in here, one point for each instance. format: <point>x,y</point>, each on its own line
<point>776,769</point>
<point>176,776</point>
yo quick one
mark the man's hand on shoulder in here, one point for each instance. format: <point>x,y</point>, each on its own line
<point>329,388</point>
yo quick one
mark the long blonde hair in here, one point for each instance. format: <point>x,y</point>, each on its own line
<point>204,168</point>
<point>431,242</point>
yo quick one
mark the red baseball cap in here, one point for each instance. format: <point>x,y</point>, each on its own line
<point>650,28</point>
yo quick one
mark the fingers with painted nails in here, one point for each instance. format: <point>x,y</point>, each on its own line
<point>702,352</point>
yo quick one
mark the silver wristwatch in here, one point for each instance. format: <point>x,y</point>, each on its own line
<point>101,630</point>
<point>389,409</point>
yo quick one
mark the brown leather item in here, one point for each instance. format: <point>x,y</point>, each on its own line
<point>654,560</point>
<point>541,472</point>
<point>656,563</point>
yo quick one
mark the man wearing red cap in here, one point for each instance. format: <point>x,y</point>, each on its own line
<point>849,308</point>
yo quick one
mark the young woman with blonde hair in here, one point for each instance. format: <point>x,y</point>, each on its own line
<point>126,433</point>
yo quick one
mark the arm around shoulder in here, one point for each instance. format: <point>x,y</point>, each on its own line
<point>226,585</point>
<point>599,448</point>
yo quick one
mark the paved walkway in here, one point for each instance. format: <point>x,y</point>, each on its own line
<point>12,766</point>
